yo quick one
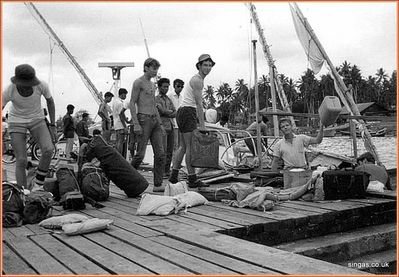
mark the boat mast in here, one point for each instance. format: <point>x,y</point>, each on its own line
<point>274,76</point>
<point>88,83</point>
<point>145,39</point>
<point>343,92</point>
<point>258,143</point>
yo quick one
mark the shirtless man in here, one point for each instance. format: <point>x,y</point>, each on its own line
<point>147,123</point>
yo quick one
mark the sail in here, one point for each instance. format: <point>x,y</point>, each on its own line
<point>343,92</point>
<point>315,57</point>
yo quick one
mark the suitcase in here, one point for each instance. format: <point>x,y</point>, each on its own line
<point>344,184</point>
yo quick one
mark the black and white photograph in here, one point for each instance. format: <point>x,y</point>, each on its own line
<point>199,138</point>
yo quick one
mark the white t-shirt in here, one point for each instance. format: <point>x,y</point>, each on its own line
<point>117,106</point>
<point>25,109</point>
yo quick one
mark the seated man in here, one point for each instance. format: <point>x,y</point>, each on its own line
<point>366,163</point>
<point>264,130</point>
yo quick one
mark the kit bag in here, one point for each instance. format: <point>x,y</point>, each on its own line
<point>204,150</point>
<point>69,190</point>
<point>66,179</point>
<point>344,184</point>
<point>116,168</point>
<point>13,205</point>
<point>95,183</point>
<point>37,206</point>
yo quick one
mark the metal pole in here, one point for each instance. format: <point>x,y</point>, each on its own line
<point>258,143</point>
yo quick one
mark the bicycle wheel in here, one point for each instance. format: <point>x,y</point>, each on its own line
<point>36,153</point>
<point>8,157</point>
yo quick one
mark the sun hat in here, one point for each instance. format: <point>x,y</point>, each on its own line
<point>202,58</point>
<point>25,75</point>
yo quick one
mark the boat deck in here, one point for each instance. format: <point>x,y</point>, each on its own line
<point>209,239</point>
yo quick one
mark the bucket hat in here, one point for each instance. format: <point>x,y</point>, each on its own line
<point>202,58</point>
<point>25,75</point>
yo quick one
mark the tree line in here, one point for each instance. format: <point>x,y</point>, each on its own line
<point>304,95</point>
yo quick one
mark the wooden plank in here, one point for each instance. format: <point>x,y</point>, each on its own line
<point>219,259</point>
<point>21,231</point>
<point>260,255</point>
<point>183,260</point>
<point>70,258</point>
<point>216,222</point>
<point>35,255</point>
<point>13,264</point>
<point>153,263</point>
<point>114,262</point>
<point>124,223</point>
<point>231,216</point>
<point>179,219</point>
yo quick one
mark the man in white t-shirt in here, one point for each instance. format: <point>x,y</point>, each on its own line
<point>175,97</point>
<point>118,111</point>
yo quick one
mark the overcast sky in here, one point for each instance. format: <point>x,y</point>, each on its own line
<point>362,33</point>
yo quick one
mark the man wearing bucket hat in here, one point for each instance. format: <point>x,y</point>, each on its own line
<point>26,113</point>
<point>189,112</point>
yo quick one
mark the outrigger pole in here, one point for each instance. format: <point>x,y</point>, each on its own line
<point>46,27</point>
<point>274,80</point>
<point>343,92</point>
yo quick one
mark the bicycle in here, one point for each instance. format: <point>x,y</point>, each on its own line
<point>33,149</point>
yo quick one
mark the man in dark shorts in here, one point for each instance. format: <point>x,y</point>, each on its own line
<point>69,130</point>
<point>104,112</point>
<point>189,112</point>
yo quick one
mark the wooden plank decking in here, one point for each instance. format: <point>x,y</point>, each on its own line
<point>205,240</point>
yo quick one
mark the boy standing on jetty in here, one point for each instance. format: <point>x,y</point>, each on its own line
<point>189,112</point>
<point>147,123</point>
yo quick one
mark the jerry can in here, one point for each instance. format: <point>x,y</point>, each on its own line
<point>329,110</point>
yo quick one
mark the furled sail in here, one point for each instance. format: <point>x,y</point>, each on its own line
<point>315,57</point>
<point>313,48</point>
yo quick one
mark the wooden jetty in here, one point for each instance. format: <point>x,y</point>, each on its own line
<point>210,239</point>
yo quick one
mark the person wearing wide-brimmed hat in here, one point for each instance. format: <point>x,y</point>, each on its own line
<point>26,113</point>
<point>189,112</point>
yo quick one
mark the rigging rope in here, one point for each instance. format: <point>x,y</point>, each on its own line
<point>51,74</point>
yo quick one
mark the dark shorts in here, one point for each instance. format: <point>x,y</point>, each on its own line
<point>186,118</point>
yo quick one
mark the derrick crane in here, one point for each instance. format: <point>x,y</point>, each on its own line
<point>46,27</point>
<point>269,58</point>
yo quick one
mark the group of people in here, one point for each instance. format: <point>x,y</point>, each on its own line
<point>167,120</point>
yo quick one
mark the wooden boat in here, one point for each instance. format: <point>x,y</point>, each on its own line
<point>379,133</point>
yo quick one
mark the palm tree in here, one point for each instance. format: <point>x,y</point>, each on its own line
<point>309,88</point>
<point>209,97</point>
<point>381,80</point>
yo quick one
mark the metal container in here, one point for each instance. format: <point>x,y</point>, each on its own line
<point>329,110</point>
<point>296,177</point>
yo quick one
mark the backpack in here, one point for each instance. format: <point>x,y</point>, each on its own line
<point>95,183</point>
<point>37,206</point>
<point>13,205</point>
<point>69,190</point>
<point>66,179</point>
